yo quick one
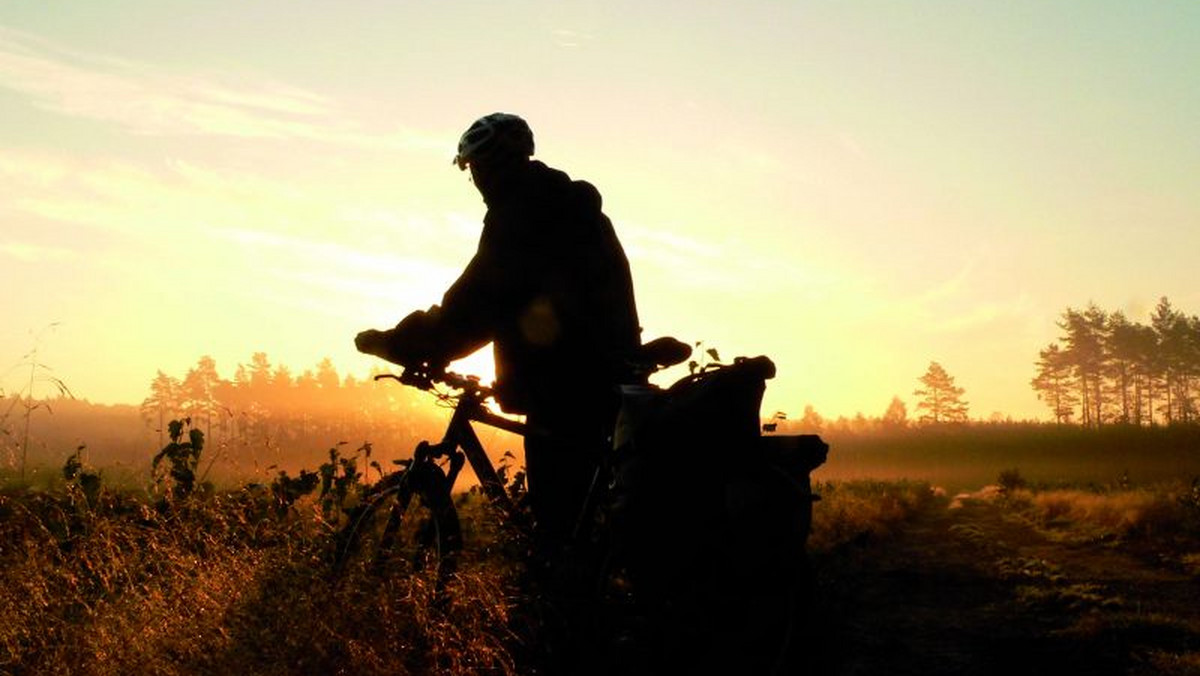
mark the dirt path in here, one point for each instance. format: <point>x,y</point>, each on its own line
<point>974,590</point>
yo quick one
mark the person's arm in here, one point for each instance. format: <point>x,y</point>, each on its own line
<point>471,310</point>
<point>474,305</point>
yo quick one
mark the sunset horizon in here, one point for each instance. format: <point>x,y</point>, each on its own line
<point>853,192</point>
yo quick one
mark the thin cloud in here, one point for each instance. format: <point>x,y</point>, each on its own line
<point>253,210</point>
<point>949,288</point>
<point>661,241</point>
<point>956,305</point>
<point>570,39</point>
<point>983,314</point>
<point>119,196</point>
<point>36,253</point>
<point>724,266</point>
<point>147,100</point>
<point>303,272</point>
<point>313,254</point>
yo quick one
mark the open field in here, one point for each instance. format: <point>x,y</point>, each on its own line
<point>968,457</point>
<point>908,579</point>
<point>1088,557</point>
<point>955,458</point>
<point>1061,582</point>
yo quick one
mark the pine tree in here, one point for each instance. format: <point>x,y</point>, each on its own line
<point>164,403</point>
<point>1085,340</point>
<point>1054,383</point>
<point>940,399</point>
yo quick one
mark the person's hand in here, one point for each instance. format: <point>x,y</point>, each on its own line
<point>372,342</point>
<point>412,342</point>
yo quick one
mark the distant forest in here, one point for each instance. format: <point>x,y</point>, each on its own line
<point>261,420</point>
<point>267,406</point>
<point>262,401</point>
<point>1106,369</point>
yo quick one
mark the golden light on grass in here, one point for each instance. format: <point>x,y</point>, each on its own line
<point>1141,512</point>
<point>216,585</point>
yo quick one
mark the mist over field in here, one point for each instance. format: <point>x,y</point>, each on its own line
<point>121,441</point>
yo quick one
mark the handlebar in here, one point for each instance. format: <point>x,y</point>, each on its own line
<point>650,357</point>
<point>426,380</point>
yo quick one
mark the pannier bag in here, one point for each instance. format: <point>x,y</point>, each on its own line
<point>700,415</point>
<point>796,456</point>
<point>710,517</point>
<point>678,449</point>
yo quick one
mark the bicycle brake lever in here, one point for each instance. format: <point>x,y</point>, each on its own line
<point>412,377</point>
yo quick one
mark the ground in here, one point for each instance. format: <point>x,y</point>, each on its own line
<point>976,589</point>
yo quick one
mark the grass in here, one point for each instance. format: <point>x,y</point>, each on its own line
<point>220,584</point>
<point>1160,520</point>
<point>852,511</point>
<point>1061,573</point>
<point>1153,533</point>
<point>124,581</point>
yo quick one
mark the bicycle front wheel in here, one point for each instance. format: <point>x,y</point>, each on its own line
<point>408,530</point>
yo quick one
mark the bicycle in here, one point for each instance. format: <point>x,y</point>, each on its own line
<point>408,517</point>
<point>407,522</point>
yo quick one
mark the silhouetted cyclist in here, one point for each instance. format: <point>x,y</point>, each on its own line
<point>550,287</point>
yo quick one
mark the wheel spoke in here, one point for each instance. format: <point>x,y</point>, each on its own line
<point>403,531</point>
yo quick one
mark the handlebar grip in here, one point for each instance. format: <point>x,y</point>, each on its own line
<point>423,379</point>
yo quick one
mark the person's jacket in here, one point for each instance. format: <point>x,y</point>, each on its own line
<point>550,285</point>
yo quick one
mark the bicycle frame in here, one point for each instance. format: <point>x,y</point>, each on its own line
<point>460,435</point>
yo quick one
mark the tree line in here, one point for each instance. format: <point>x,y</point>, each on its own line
<point>1106,369</point>
<point>268,406</point>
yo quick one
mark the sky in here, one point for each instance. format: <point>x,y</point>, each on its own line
<point>854,189</point>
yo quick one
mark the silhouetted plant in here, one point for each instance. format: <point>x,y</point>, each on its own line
<point>514,485</point>
<point>183,457</point>
<point>711,358</point>
<point>1010,481</point>
<point>30,360</point>
<point>287,490</point>
<point>776,418</point>
<point>81,481</point>
<point>339,477</point>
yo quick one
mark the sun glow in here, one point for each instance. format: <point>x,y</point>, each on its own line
<point>853,210</point>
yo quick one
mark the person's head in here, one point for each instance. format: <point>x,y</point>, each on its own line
<point>494,145</point>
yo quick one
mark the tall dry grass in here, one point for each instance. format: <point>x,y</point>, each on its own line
<point>218,585</point>
<point>1166,515</point>
<point>851,511</point>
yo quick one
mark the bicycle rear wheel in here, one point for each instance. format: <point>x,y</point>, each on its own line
<point>408,530</point>
<point>725,590</point>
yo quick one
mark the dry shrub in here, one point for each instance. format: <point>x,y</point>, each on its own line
<point>1121,513</point>
<point>1116,512</point>
<point>852,510</point>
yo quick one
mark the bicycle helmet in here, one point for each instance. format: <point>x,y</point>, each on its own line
<point>495,136</point>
